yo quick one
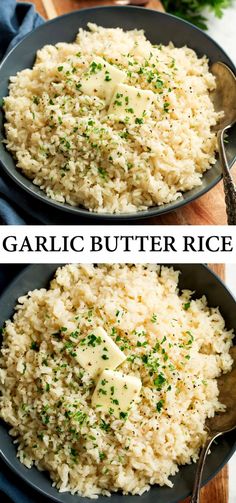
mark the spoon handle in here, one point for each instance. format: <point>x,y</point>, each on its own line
<point>200,465</point>
<point>229,186</point>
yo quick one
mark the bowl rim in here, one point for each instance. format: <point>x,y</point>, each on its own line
<point>38,194</point>
<point>42,491</point>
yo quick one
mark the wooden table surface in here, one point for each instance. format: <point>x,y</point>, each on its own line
<point>209,209</point>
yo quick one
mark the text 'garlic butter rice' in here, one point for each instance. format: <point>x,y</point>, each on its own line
<point>175,346</point>
<point>111,122</point>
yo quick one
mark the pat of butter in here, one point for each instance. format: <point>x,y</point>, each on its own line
<point>98,351</point>
<point>101,79</point>
<point>130,101</point>
<point>115,392</point>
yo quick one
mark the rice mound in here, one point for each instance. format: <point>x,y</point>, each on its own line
<point>175,345</point>
<point>64,141</point>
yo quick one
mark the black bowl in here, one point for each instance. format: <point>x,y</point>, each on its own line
<point>194,277</point>
<point>159,28</point>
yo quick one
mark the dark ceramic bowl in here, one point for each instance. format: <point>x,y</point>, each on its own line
<point>194,277</point>
<point>159,28</point>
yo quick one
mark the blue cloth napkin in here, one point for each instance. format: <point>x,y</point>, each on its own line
<point>16,20</point>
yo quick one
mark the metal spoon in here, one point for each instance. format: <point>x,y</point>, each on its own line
<point>224,98</point>
<point>221,423</point>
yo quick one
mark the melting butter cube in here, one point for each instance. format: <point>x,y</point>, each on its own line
<point>130,101</point>
<point>101,79</point>
<point>98,351</point>
<point>115,392</point>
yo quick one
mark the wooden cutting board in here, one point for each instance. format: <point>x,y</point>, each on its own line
<point>208,210</point>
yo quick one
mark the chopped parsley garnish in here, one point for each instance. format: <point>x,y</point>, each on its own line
<point>74,334</point>
<point>138,120</point>
<point>45,418</point>
<point>73,452</point>
<point>95,67</point>
<point>190,341</point>
<point>123,415</point>
<point>107,77</point>
<point>118,103</point>
<point>102,456</point>
<point>80,416</point>
<point>105,357</point>
<point>159,381</point>
<point>166,106</point>
<point>34,345</point>
<point>60,68</point>
<point>159,405</point>
<point>141,344</point>
<point>104,426</point>
<point>102,391</point>
<point>91,340</point>
<point>104,382</point>
<point>102,172</point>
<point>186,306</point>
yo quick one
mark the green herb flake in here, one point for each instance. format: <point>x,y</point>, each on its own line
<point>186,306</point>
<point>115,401</point>
<point>105,357</point>
<point>141,344</point>
<point>95,67</point>
<point>34,345</point>
<point>138,120</point>
<point>159,405</point>
<point>107,77</point>
<point>103,174</point>
<point>159,381</point>
<point>36,100</point>
<point>102,391</point>
<point>102,456</point>
<point>73,452</point>
<point>166,106</point>
<point>104,426</point>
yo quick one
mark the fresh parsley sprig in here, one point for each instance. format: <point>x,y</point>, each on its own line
<point>190,10</point>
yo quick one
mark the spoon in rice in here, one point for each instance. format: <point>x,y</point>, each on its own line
<point>222,422</point>
<point>224,98</point>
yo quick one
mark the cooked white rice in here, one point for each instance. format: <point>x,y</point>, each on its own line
<point>65,142</point>
<point>46,395</point>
